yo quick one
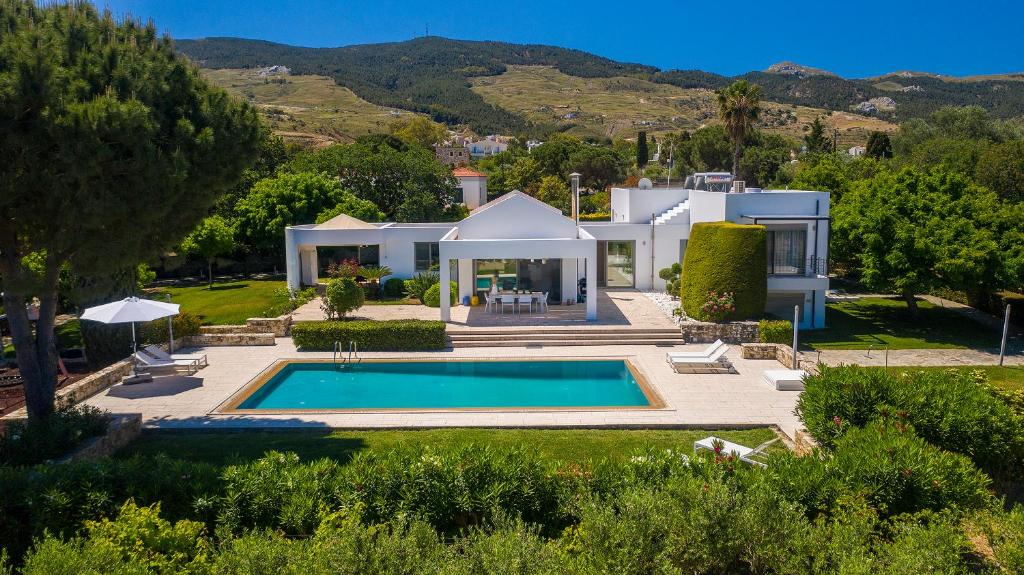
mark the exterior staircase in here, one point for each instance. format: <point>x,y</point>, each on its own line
<point>552,337</point>
<point>680,209</point>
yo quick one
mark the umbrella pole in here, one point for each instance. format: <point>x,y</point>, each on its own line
<point>133,350</point>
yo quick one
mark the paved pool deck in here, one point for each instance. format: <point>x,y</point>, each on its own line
<point>691,400</point>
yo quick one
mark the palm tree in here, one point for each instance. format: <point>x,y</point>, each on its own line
<point>739,105</point>
<point>373,275</point>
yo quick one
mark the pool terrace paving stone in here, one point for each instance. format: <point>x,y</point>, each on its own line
<point>692,400</point>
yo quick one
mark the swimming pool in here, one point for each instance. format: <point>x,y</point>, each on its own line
<point>465,384</point>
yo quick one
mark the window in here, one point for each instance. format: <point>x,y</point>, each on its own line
<point>787,251</point>
<point>620,264</point>
<point>427,256</point>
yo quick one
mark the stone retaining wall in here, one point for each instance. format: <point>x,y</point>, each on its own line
<point>277,326</point>
<point>779,352</point>
<point>228,339</point>
<point>86,387</point>
<point>122,430</point>
<point>706,332</point>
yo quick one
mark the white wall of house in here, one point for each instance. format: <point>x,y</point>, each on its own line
<point>474,190</point>
<point>635,205</point>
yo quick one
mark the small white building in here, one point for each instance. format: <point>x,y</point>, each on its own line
<point>486,147</point>
<point>518,242</point>
<point>473,185</point>
<point>856,151</point>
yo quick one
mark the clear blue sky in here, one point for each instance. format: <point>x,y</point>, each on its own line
<point>850,38</point>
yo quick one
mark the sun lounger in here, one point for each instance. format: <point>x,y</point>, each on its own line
<point>714,363</point>
<point>743,453</point>
<point>153,365</point>
<point>701,354</point>
<point>785,379</point>
<point>159,353</point>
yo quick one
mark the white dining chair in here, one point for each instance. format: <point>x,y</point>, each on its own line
<point>525,300</point>
<point>542,302</point>
<point>489,305</point>
<point>509,300</point>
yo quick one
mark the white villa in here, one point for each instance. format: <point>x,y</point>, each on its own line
<point>489,146</point>
<point>518,242</point>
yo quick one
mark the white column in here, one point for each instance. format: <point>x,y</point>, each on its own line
<point>446,278</point>
<point>592,285</point>
<point>291,259</point>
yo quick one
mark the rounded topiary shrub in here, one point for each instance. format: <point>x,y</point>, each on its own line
<point>432,297</point>
<point>394,288</point>
<point>342,296</point>
<point>725,258</point>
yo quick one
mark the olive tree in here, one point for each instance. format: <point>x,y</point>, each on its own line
<point>114,148</point>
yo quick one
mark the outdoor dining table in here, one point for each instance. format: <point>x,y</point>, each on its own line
<point>536,296</point>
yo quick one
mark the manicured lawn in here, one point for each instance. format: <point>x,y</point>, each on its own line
<point>1006,377</point>
<point>565,445</point>
<point>881,322</point>
<point>228,303</point>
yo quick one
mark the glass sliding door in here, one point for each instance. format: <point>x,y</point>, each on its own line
<point>538,274</point>
<point>619,262</point>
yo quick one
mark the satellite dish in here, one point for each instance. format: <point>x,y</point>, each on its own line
<point>645,184</point>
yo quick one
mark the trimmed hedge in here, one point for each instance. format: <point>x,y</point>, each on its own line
<point>394,288</point>
<point>596,217</point>
<point>392,335</point>
<point>726,257</point>
<point>775,331</point>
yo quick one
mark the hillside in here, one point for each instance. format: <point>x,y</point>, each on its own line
<point>442,78</point>
<point>621,105</point>
<point>311,109</point>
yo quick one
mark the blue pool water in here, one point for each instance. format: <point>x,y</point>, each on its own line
<point>453,384</point>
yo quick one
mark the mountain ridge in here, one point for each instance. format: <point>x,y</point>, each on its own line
<point>433,75</point>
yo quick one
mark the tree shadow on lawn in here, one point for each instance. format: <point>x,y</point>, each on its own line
<point>227,287</point>
<point>233,446</point>
<point>888,323</point>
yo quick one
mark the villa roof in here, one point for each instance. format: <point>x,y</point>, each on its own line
<point>345,222</point>
<point>514,194</point>
<point>467,172</point>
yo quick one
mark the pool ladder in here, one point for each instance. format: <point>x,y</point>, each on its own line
<point>353,353</point>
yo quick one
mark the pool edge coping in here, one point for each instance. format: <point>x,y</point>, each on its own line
<point>230,405</point>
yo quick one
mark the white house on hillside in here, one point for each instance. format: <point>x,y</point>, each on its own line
<point>486,147</point>
<point>518,242</point>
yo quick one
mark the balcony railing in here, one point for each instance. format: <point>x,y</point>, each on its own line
<point>785,265</point>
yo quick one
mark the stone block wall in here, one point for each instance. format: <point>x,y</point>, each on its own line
<point>779,352</point>
<point>228,339</point>
<point>122,430</point>
<point>278,326</point>
<point>731,332</point>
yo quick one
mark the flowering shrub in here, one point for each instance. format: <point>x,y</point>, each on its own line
<point>718,306</point>
<point>344,269</point>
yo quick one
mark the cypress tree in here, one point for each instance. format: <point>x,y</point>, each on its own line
<point>641,150</point>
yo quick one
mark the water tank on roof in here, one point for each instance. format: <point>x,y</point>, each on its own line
<point>645,184</point>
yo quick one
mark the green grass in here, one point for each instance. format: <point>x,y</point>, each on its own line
<point>1009,377</point>
<point>228,303</point>
<point>881,322</point>
<point>565,445</point>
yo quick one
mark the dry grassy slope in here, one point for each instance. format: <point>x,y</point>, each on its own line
<point>310,109</point>
<point>618,107</point>
<point>315,111</point>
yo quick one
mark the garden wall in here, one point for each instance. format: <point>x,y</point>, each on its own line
<point>779,352</point>
<point>122,430</point>
<point>731,332</point>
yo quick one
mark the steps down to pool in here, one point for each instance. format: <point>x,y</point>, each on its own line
<point>540,337</point>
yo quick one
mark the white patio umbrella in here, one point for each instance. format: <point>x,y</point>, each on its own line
<point>130,310</point>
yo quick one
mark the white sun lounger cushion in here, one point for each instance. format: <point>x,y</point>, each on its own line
<point>785,379</point>
<point>727,446</point>
<point>701,354</point>
<point>713,358</point>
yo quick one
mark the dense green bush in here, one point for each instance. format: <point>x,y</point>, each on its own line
<point>418,285</point>
<point>394,288</point>
<point>950,409</point>
<point>775,331</point>
<point>885,462</point>
<point>28,442</point>
<point>725,257</point>
<point>432,297</point>
<point>391,335</point>
<point>596,217</point>
<point>341,296</point>
<point>184,324</point>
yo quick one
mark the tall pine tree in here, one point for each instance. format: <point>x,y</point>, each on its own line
<point>114,148</point>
